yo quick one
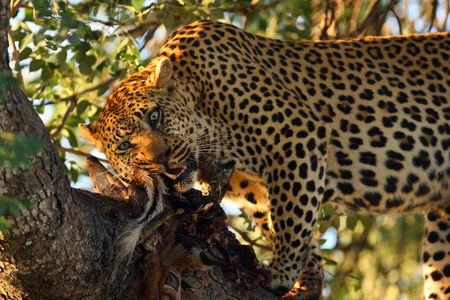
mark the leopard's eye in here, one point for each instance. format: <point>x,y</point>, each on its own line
<point>154,117</point>
<point>124,146</point>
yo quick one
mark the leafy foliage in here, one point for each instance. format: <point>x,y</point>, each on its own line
<point>70,54</point>
<point>6,79</point>
<point>14,152</point>
<point>15,149</point>
<point>12,206</point>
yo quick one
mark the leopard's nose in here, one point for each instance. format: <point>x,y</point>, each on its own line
<point>164,156</point>
<point>157,151</point>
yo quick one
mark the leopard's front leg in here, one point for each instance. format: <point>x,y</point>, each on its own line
<point>310,282</point>
<point>296,264</point>
<point>294,207</point>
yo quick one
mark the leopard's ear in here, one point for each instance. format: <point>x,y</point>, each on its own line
<point>90,134</point>
<point>162,74</point>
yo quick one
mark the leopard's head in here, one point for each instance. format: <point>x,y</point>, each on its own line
<point>147,131</point>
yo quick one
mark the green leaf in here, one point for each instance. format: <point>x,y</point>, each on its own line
<point>23,43</point>
<point>73,174</point>
<point>91,59</point>
<point>323,227</point>
<point>337,291</point>
<point>15,149</point>
<point>6,80</point>
<point>3,206</point>
<point>50,45</point>
<point>13,208</point>
<point>25,202</point>
<point>136,52</point>
<point>61,56</point>
<point>36,64</point>
<point>216,14</point>
<point>127,56</point>
<point>102,90</point>
<point>336,222</point>
<point>169,21</point>
<point>72,138</point>
<point>328,210</point>
<point>351,222</point>
<point>4,225</point>
<point>25,53</point>
<point>137,4</point>
<point>366,221</point>
<point>85,68</point>
<point>96,10</point>
<point>330,262</point>
<point>115,67</point>
<point>74,120</point>
<point>81,106</point>
<point>41,4</point>
<point>208,2</point>
<point>74,40</point>
<point>19,35</point>
<point>33,145</point>
<point>47,73</point>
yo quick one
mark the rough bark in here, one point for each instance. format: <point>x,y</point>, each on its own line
<point>62,247</point>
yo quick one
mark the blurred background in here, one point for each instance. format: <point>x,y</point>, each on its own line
<point>69,55</point>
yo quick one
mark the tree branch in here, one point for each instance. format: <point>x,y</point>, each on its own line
<point>72,105</point>
<point>246,238</point>
<point>78,152</point>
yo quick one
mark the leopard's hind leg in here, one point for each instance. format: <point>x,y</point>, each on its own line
<point>436,254</point>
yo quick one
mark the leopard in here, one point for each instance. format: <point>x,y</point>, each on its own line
<point>360,123</point>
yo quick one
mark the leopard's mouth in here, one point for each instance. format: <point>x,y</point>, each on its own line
<point>175,173</point>
<point>178,175</point>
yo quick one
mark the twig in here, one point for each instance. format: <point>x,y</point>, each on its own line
<point>72,105</point>
<point>246,238</point>
<point>107,82</point>
<point>355,247</point>
<point>73,102</point>
<point>323,32</point>
<point>78,152</point>
<point>142,28</point>
<point>434,5</point>
<point>447,13</point>
<point>400,30</point>
<point>15,6</point>
<point>355,14</point>
<point>16,59</point>
<point>106,23</point>
<point>239,8</point>
<point>371,16</point>
<point>381,22</point>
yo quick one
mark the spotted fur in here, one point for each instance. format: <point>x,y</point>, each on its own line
<point>363,123</point>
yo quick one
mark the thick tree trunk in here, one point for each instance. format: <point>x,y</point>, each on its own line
<point>62,247</point>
